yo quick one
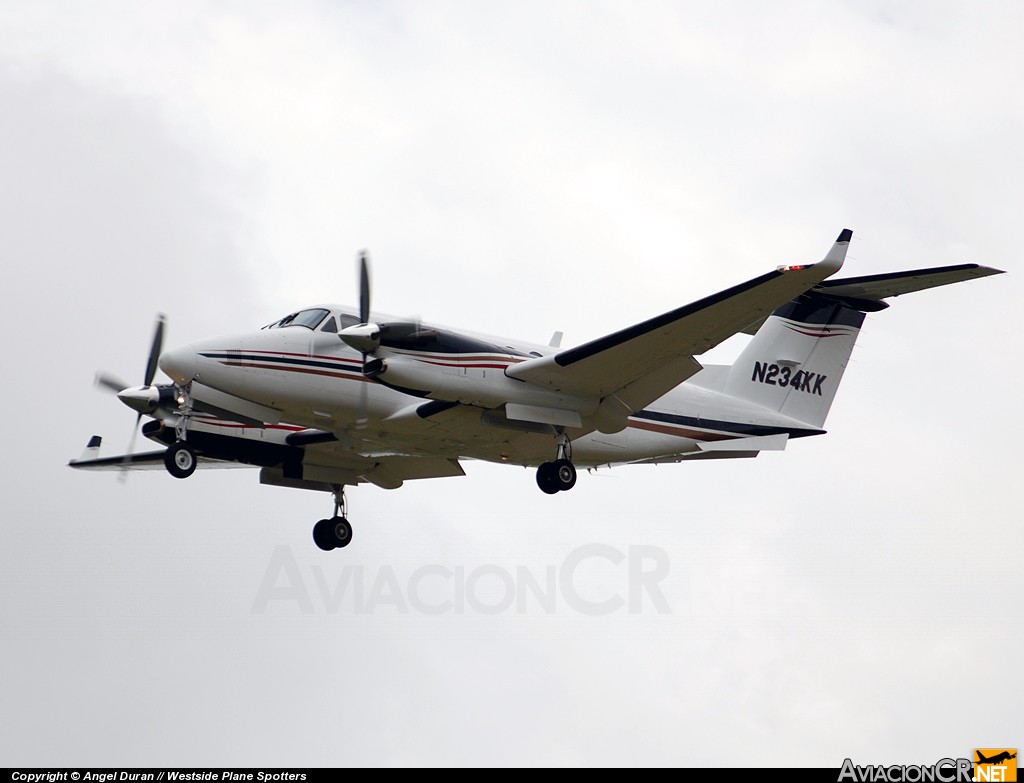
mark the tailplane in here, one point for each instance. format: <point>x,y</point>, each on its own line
<point>798,355</point>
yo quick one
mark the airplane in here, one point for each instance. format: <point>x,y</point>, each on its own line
<point>999,758</point>
<point>329,397</point>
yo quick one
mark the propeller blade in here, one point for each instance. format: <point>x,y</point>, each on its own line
<point>155,349</point>
<point>364,287</point>
<point>111,382</point>
<point>126,461</point>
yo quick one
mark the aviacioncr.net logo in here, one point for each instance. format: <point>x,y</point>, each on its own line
<point>998,765</point>
<point>942,771</point>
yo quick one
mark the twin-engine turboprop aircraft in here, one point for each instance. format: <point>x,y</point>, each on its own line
<point>329,396</point>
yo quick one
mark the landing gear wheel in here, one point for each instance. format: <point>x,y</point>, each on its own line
<point>341,530</point>
<point>547,479</point>
<point>336,532</point>
<point>180,460</point>
<point>333,533</point>
<point>323,535</point>
<point>565,474</point>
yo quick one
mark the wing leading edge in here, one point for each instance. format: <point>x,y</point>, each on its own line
<point>643,361</point>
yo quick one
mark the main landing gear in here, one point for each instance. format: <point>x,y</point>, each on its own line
<point>560,475</point>
<point>180,458</point>
<point>336,532</point>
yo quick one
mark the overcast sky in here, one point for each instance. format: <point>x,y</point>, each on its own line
<point>514,169</point>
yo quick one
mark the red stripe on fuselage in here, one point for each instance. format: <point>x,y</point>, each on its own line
<point>238,426</point>
<point>344,359</point>
<point>681,432</point>
<point>465,366</point>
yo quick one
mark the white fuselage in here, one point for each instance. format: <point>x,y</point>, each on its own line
<point>316,381</point>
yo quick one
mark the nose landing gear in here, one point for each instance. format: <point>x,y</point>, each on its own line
<point>559,475</point>
<point>180,458</point>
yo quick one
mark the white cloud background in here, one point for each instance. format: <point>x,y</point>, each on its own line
<point>515,169</point>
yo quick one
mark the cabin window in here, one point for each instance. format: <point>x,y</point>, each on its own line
<point>349,320</point>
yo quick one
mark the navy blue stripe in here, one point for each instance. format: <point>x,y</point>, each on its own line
<point>309,438</point>
<point>748,430</point>
<point>248,357</point>
<point>230,448</point>
<point>402,389</point>
<point>428,409</point>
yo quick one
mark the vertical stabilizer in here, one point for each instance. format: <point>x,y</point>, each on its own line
<point>797,358</point>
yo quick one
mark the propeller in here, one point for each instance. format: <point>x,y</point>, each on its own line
<point>110,382</point>
<point>364,336</point>
<point>142,399</point>
<point>364,287</point>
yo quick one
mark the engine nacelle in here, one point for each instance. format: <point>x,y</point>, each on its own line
<point>486,387</point>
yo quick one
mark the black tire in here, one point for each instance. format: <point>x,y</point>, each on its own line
<point>546,478</point>
<point>323,535</point>
<point>180,460</point>
<point>341,532</point>
<point>564,473</point>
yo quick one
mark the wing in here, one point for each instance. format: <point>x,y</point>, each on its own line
<point>149,460</point>
<point>333,462</point>
<point>288,456</point>
<point>644,361</point>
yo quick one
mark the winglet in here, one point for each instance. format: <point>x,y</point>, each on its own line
<point>833,260</point>
<point>92,448</point>
<point>91,451</point>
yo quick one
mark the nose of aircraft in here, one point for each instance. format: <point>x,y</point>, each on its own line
<point>179,364</point>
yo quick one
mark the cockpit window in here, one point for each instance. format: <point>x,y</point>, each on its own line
<point>308,318</point>
<point>349,320</point>
<point>330,325</point>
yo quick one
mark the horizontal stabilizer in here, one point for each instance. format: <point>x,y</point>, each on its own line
<point>868,292</point>
<point>873,287</point>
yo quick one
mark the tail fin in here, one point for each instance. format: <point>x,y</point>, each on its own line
<point>797,358</point>
<point>798,355</point>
